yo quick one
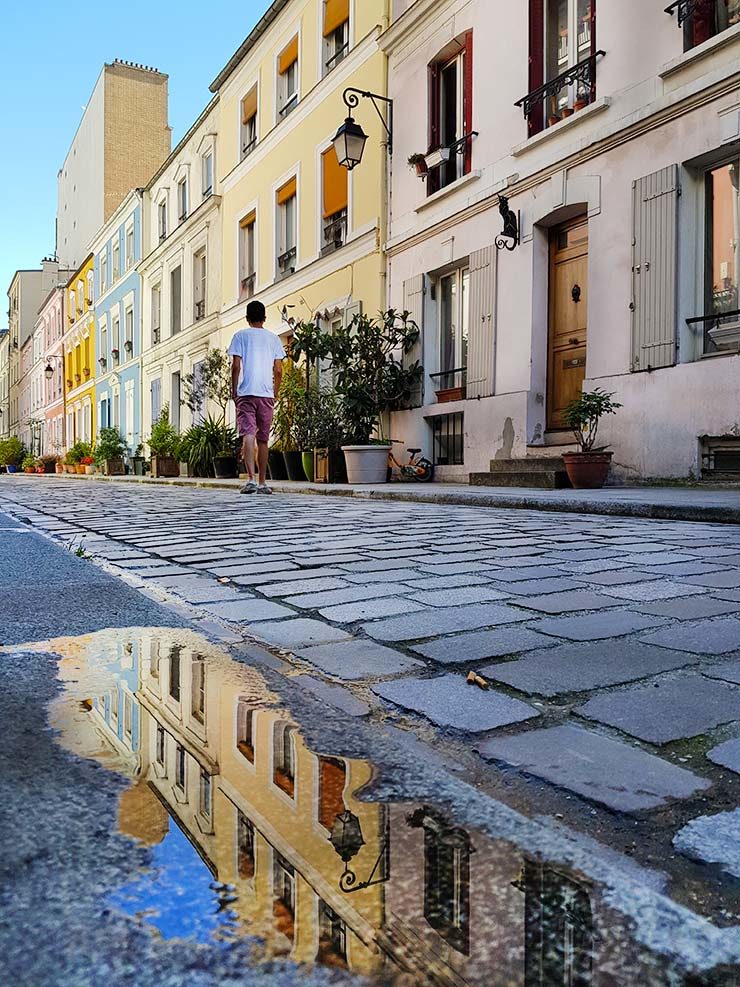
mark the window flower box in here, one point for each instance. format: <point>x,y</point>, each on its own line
<point>437,158</point>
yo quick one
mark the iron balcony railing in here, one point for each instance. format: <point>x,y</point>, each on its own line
<point>289,105</point>
<point>249,147</point>
<point>720,331</point>
<point>200,311</point>
<point>583,74</point>
<point>335,232</point>
<point>450,385</point>
<point>684,9</point>
<point>247,285</point>
<point>286,261</point>
<point>338,56</point>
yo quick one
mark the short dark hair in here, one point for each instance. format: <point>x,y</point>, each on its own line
<point>256,312</point>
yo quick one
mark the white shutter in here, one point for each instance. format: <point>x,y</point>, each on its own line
<point>351,311</point>
<point>654,269</point>
<point>413,303</point>
<point>481,339</point>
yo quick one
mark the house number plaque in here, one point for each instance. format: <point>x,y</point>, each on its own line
<point>576,362</point>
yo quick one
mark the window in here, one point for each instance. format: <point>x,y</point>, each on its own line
<point>182,199</point>
<point>246,859</point>
<point>175,654</point>
<point>454,324</point>
<point>114,706</point>
<point>247,276</point>
<point>161,745</point>
<point>175,300</point>
<point>103,271</point>
<point>128,715</point>
<point>451,115</point>
<point>116,340</point>
<point>284,758</point>
<point>706,18</point>
<point>336,32</point>
<point>245,730</point>
<point>205,794</point>
<point>199,285</point>
<point>162,219</point>
<point>90,295</point>
<point>447,881</point>
<point>180,767</point>
<point>283,883</point>
<point>103,345</point>
<point>249,122</point>
<point>129,248</point>
<point>288,78</point>
<point>116,260</point>
<point>332,937</point>
<point>286,204</point>
<point>72,306</point>
<point>207,165</point>
<point>80,297</point>
<point>128,339</point>
<point>722,260</point>
<point>335,198</point>
<point>447,431</point>
<point>175,403</point>
<point>156,312</point>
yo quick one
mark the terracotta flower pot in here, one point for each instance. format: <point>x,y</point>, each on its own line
<point>587,470</point>
<point>580,104</point>
<point>567,111</point>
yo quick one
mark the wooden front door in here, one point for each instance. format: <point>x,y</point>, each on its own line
<point>566,364</point>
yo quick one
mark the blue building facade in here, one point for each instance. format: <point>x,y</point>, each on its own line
<point>117,252</point>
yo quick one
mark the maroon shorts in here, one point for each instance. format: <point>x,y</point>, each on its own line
<point>254,417</point>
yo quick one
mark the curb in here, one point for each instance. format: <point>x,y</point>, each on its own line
<point>706,513</point>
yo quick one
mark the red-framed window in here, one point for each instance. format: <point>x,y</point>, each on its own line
<point>451,112</point>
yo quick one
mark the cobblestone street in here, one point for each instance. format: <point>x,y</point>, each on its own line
<point>611,645</point>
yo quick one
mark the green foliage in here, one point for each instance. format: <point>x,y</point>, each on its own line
<point>49,461</point>
<point>292,393</point>
<point>164,439</point>
<point>29,462</point>
<point>77,452</point>
<point>213,383</point>
<point>202,443</point>
<point>12,451</point>
<point>319,420</point>
<point>110,445</point>
<point>367,357</point>
<point>583,415</point>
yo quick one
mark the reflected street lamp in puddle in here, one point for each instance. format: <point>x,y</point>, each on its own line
<point>347,840</point>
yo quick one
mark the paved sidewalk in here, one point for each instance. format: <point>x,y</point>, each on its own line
<point>696,503</point>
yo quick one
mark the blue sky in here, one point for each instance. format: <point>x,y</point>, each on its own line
<point>51,59</point>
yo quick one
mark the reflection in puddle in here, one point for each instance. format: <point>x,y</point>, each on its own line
<point>252,834</point>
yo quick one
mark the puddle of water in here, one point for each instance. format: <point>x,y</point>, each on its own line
<point>250,833</point>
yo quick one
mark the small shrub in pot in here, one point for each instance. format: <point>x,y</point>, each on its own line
<point>589,468</point>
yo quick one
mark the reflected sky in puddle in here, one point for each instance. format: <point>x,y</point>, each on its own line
<point>252,834</point>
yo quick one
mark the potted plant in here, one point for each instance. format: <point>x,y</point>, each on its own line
<point>580,103</point>
<point>163,445</point>
<point>213,383</point>
<point>49,463</point>
<point>276,462</point>
<point>329,462</point>
<point>589,468</point>
<point>29,463</point>
<point>419,163</point>
<point>12,453</point>
<point>109,452</point>
<point>74,457</point>
<point>291,394</point>
<point>138,460</point>
<point>209,448</point>
<point>368,360</point>
<point>89,463</point>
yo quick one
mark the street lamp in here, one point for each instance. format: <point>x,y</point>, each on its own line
<point>347,839</point>
<point>49,371</point>
<point>349,142</point>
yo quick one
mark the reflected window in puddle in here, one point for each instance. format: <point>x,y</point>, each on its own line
<point>245,729</point>
<point>198,690</point>
<point>332,782</point>
<point>246,860</point>
<point>558,929</point>
<point>161,754</point>
<point>174,683</point>
<point>283,884</point>
<point>284,758</point>
<point>181,764</point>
<point>332,937</point>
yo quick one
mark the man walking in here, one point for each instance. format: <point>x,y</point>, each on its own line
<point>256,371</point>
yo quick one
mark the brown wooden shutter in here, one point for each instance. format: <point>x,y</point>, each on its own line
<point>536,121</point>
<point>336,12</point>
<point>654,269</point>
<point>287,191</point>
<point>335,184</point>
<point>468,101</point>
<point>288,55</point>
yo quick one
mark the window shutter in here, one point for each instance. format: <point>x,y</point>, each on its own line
<point>654,269</point>
<point>413,303</point>
<point>336,12</point>
<point>482,339</point>
<point>536,121</point>
<point>468,101</point>
<point>352,310</point>
<point>335,184</point>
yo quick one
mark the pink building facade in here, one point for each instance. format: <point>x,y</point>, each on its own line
<point>613,132</point>
<point>51,325</point>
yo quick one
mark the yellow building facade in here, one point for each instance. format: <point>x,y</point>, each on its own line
<point>78,349</point>
<point>300,233</point>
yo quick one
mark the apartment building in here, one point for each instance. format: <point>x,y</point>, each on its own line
<point>78,344</point>
<point>299,232</point>
<point>4,384</point>
<point>117,283</point>
<point>600,144</point>
<point>181,269</point>
<point>50,325</point>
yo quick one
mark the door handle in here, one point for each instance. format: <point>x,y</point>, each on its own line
<point>574,342</point>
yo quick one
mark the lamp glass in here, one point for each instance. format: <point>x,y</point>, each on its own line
<point>49,371</point>
<point>349,144</point>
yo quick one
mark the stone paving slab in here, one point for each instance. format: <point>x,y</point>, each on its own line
<point>705,637</point>
<point>446,582</point>
<point>246,610</point>
<point>674,709</point>
<point>689,608</point>
<point>458,597</point>
<point>449,701</point>
<point>597,626</point>
<point>336,695</point>
<point>581,667</point>
<point>207,591</point>
<point>729,671</point>
<point>443,620</point>
<point>728,594</point>
<point>649,592</point>
<point>598,768</point>
<point>716,580</point>
<point>353,594</point>
<point>478,645</point>
<point>320,585</point>
<point>300,632</point>
<point>727,754</point>
<point>358,659</point>
<point>538,587</point>
<point>388,606</point>
<point>619,577</point>
<point>713,840</point>
<point>574,602</point>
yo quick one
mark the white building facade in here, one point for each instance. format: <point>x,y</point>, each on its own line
<point>614,133</point>
<point>180,271</point>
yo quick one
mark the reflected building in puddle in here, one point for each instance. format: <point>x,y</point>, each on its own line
<point>397,892</point>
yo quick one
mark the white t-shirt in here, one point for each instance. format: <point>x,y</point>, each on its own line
<point>258,349</point>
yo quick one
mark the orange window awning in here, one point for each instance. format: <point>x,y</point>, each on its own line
<point>288,56</point>
<point>287,191</point>
<point>336,12</point>
<point>335,184</point>
<point>249,219</point>
<point>249,105</point>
